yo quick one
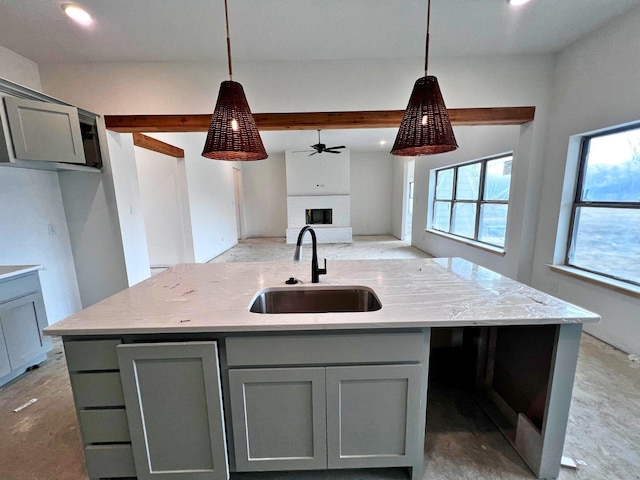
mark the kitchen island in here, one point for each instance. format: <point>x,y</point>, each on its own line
<point>176,378</point>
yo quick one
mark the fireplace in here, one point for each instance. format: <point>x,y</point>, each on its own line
<point>318,216</point>
<point>329,215</point>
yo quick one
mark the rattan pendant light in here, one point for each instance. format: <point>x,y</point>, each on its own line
<point>425,128</point>
<point>233,133</point>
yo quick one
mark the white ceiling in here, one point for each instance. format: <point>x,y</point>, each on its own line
<point>191,30</point>
<point>263,30</point>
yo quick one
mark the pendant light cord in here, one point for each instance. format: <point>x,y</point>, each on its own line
<point>426,52</point>
<point>226,17</point>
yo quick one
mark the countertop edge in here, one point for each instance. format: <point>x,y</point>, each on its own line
<point>14,270</point>
<point>225,329</point>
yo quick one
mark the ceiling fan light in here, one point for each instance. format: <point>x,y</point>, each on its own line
<point>425,128</point>
<point>233,133</point>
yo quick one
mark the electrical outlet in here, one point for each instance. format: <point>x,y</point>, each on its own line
<point>554,286</point>
<point>51,228</point>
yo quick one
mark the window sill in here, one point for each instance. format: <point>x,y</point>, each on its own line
<point>599,280</point>
<point>470,243</point>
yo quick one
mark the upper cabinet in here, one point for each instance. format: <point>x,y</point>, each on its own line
<point>44,131</point>
<point>37,131</point>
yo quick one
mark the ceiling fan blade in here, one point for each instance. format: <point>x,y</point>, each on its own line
<point>331,151</point>
<point>335,148</point>
<point>313,153</point>
<point>302,151</point>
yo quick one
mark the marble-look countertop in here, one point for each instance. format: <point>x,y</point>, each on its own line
<point>434,292</point>
<point>7,271</point>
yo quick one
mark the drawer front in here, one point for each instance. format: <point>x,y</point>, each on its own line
<point>104,426</point>
<point>109,461</point>
<point>91,355</point>
<point>97,390</point>
<point>19,287</point>
<point>326,349</point>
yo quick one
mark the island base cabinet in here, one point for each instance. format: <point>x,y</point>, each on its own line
<point>333,417</point>
<point>279,419</point>
<point>373,416</point>
<point>174,408</point>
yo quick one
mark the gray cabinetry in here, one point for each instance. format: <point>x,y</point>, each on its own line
<point>44,131</point>
<point>99,400</point>
<point>283,423</point>
<point>41,132</point>
<point>22,318</point>
<point>174,408</point>
<point>328,401</point>
<point>372,414</point>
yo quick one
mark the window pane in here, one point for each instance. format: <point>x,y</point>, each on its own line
<point>464,219</point>
<point>493,224</point>
<point>441,216</point>
<point>612,172</point>
<point>444,184</point>
<point>468,182</point>
<point>498,179</point>
<point>607,240</point>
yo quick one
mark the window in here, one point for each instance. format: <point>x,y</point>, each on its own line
<point>472,200</point>
<point>605,227</point>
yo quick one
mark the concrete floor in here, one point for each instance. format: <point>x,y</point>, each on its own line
<point>42,442</point>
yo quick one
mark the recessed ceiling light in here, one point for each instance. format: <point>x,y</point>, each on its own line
<point>516,3</point>
<point>383,142</point>
<point>77,14</point>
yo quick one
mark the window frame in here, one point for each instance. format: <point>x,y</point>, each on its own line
<point>479,202</point>
<point>579,202</point>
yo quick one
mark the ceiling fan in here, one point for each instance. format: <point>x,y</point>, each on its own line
<point>321,147</point>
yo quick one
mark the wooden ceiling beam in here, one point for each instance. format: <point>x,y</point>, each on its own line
<point>144,141</point>
<point>317,120</point>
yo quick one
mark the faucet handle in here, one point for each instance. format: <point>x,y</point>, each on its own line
<point>323,271</point>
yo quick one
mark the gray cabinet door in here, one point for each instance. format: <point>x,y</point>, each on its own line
<point>44,131</point>
<point>21,330</point>
<point>279,418</point>
<point>5,366</point>
<point>174,407</point>
<point>373,416</point>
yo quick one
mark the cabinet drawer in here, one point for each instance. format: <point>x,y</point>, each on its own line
<point>19,287</point>
<point>326,349</point>
<point>109,461</point>
<point>91,355</point>
<point>97,390</point>
<point>104,426</point>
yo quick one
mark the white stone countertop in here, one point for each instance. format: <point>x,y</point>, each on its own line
<point>7,271</point>
<point>416,293</point>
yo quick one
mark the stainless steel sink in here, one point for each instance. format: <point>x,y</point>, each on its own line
<point>321,299</point>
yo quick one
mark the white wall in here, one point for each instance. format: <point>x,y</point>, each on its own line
<point>596,86</point>
<point>326,174</point>
<point>129,208</point>
<point>33,229</point>
<point>371,193</point>
<point>264,186</point>
<point>161,189</point>
<point>211,199</point>
<point>19,69</point>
